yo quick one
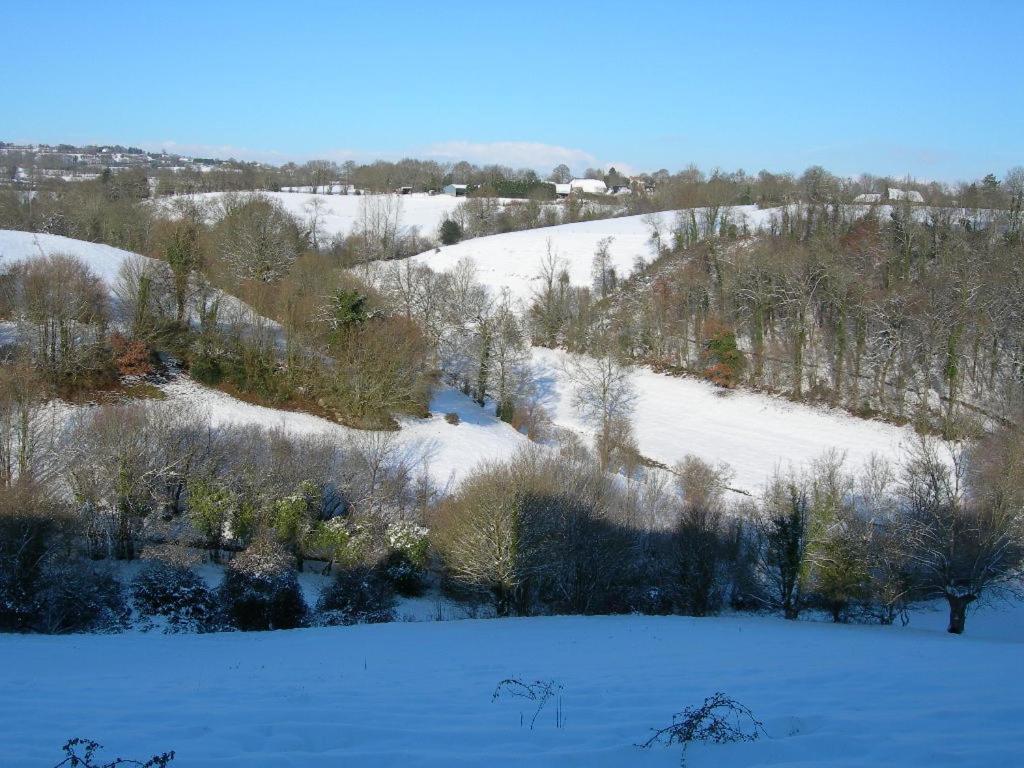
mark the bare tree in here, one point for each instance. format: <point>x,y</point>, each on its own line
<point>61,308</point>
<point>963,532</point>
<point>550,308</point>
<point>603,270</point>
<point>25,431</point>
<point>258,240</point>
<point>379,226</point>
<point>700,535</point>
<point>604,397</point>
<point>315,219</point>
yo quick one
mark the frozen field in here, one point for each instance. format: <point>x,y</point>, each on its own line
<point>753,433</point>
<point>419,694</point>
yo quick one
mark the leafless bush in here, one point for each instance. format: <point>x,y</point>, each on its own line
<point>719,720</point>
<point>540,692</point>
<point>82,752</point>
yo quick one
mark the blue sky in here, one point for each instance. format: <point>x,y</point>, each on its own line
<point>931,89</point>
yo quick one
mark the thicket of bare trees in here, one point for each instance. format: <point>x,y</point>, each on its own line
<point>62,312</point>
<point>913,314</point>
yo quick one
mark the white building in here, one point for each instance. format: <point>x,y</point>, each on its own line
<point>588,186</point>
<point>910,195</point>
<point>455,190</point>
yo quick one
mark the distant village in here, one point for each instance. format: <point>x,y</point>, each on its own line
<point>25,163</point>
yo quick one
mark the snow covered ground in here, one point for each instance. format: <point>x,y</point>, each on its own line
<point>104,260</point>
<point>340,213</point>
<point>446,452</point>
<point>513,259</point>
<point>753,433</point>
<point>419,694</point>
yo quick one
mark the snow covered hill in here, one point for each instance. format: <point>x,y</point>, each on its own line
<point>513,259</point>
<point>445,452</point>
<point>104,260</point>
<point>753,433</point>
<point>340,213</point>
<point>420,694</point>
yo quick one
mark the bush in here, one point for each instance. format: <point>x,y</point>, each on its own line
<point>82,752</point>
<point>261,591</point>
<point>178,595</point>
<point>406,563</point>
<point>450,232</point>
<point>28,537</point>
<point>360,595</point>
<point>724,362</point>
<point>78,596</point>
<point>719,720</point>
<point>404,575</point>
<point>206,369</point>
<point>131,357</point>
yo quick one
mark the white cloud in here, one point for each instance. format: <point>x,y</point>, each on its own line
<point>626,169</point>
<point>518,154</point>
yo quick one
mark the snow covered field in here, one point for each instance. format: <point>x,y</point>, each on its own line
<point>753,433</point>
<point>103,260</point>
<point>419,694</point>
<point>340,213</point>
<point>445,452</point>
<point>513,259</point>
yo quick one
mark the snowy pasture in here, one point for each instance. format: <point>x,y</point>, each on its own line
<point>420,694</point>
<point>104,260</point>
<point>754,433</point>
<point>513,260</point>
<point>339,214</point>
<point>444,452</point>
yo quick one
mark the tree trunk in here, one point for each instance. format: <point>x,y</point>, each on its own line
<point>958,612</point>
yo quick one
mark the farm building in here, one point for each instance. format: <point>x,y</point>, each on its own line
<point>910,195</point>
<point>588,186</point>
